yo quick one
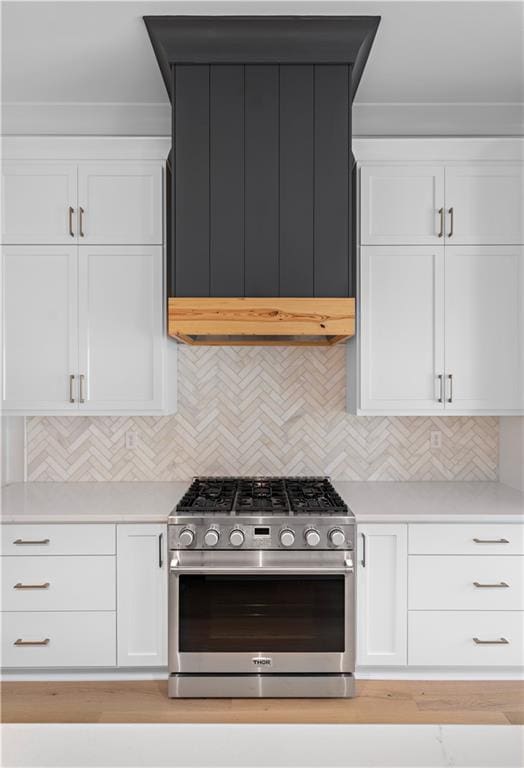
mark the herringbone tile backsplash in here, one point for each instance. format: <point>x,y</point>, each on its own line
<point>262,411</point>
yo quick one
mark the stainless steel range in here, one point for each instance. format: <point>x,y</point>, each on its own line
<point>261,589</point>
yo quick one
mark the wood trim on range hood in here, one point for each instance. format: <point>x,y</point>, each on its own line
<point>275,321</point>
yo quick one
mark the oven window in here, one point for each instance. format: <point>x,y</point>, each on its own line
<point>261,613</point>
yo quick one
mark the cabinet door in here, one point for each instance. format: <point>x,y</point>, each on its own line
<point>382,595</point>
<point>487,203</point>
<point>40,337</point>
<point>36,202</point>
<point>484,337</point>
<point>121,203</point>
<point>401,328</point>
<point>120,328</point>
<point>142,595</point>
<point>400,204</point>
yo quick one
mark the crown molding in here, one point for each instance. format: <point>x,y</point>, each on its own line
<point>123,119</point>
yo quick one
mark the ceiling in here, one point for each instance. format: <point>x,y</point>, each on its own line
<point>432,62</point>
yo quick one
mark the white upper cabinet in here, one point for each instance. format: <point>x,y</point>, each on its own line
<point>111,203</point>
<point>484,322</point>
<point>142,595</point>
<point>464,204</point>
<point>83,298</point>
<point>120,203</point>
<point>120,328</point>
<point>484,204</point>
<point>400,204</point>
<point>401,328</point>
<point>441,296</point>
<point>40,332</point>
<point>38,202</point>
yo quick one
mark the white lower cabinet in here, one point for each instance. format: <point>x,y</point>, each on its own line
<point>59,583</point>
<point>59,639</point>
<point>466,638</point>
<point>439,595</point>
<point>382,595</point>
<point>142,595</point>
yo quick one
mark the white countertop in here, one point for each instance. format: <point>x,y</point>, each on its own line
<point>390,502</point>
<point>90,502</point>
<point>139,502</point>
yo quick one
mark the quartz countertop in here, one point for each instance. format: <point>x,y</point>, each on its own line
<point>90,502</point>
<point>432,502</point>
<point>373,502</point>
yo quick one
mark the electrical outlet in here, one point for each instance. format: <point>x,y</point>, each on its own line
<point>131,440</point>
<point>435,439</point>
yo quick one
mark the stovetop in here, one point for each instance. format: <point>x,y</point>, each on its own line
<point>261,496</point>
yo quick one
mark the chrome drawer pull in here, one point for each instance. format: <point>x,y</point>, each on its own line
<point>32,642</point>
<point>500,641</point>
<point>45,585</point>
<point>491,586</point>
<point>29,541</point>
<point>491,541</point>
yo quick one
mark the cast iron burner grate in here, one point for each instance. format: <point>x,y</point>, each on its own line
<point>262,496</point>
<point>209,494</point>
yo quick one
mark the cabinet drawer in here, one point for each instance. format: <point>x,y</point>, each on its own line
<point>446,638</point>
<point>466,539</point>
<point>58,539</point>
<point>59,583</point>
<point>440,582</point>
<point>73,639</point>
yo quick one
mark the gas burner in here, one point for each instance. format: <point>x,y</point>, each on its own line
<point>209,495</point>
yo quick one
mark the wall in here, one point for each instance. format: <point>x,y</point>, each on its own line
<point>262,411</point>
<point>512,451</point>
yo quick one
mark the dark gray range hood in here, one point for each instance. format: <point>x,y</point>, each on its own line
<point>261,208</point>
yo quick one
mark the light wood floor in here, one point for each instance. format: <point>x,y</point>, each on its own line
<point>377,702</point>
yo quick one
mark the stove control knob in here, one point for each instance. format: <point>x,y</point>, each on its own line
<point>236,537</point>
<point>312,537</point>
<point>211,538</point>
<point>287,537</point>
<point>337,537</point>
<point>186,537</point>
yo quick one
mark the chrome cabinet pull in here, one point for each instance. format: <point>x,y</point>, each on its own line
<point>491,541</point>
<point>490,586</point>
<point>71,211</point>
<point>45,585</point>
<point>451,220</point>
<point>363,561</point>
<point>32,642</point>
<point>81,221</point>
<point>500,641</point>
<point>71,388</point>
<point>160,558</point>
<point>440,378</point>
<point>82,397</point>
<point>29,541</point>
<point>450,379</point>
<point>441,214</point>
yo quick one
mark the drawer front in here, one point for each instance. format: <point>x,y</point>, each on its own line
<point>59,583</point>
<point>455,582</point>
<point>59,539</point>
<point>73,639</point>
<point>465,539</point>
<point>446,638</point>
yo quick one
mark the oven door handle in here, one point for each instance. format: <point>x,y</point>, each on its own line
<point>260,569</point>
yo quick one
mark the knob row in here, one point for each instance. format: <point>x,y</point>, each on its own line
<point>287,537</point>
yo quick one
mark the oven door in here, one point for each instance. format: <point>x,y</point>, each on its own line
<point>256,612</point>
